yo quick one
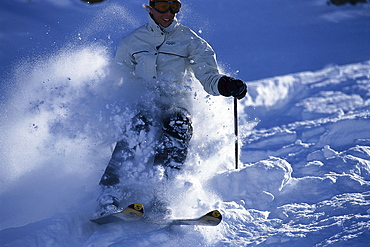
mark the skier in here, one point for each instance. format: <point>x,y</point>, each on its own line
<point>162,52</point>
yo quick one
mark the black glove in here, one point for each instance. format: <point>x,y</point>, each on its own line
<point>228,86</point>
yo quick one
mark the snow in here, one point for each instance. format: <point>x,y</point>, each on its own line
<point>304,175</point>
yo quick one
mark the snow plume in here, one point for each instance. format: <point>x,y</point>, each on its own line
<point>211,151</point>
<point>56,124</point>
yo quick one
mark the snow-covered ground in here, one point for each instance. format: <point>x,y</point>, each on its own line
<point>304,177</point>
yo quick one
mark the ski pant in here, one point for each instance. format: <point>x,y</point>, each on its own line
<point>171,149</point>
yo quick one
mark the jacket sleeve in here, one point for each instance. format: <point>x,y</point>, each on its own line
<point>202,61</point>
<point>123,57</point>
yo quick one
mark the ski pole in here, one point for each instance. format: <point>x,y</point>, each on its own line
<point>236,133</point>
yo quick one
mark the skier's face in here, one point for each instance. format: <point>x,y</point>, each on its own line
<point>163,19</point>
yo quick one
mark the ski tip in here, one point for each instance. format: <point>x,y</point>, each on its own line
<point>215,214</point>
<point>212,218</point>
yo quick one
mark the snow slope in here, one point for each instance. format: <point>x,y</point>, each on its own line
<point>305,172</point>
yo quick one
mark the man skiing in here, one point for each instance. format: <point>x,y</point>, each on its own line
<point>161,53</point>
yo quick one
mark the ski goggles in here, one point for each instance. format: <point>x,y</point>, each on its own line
<point>164,6</point>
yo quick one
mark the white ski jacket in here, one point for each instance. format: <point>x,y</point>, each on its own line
<point>163,56</point>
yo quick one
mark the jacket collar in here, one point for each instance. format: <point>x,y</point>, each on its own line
<point>154,27</point>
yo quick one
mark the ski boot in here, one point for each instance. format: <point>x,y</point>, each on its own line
<point>107,204</point>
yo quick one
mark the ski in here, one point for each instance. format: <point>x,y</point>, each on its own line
<point>132,212</point>
<point>212,218</point>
